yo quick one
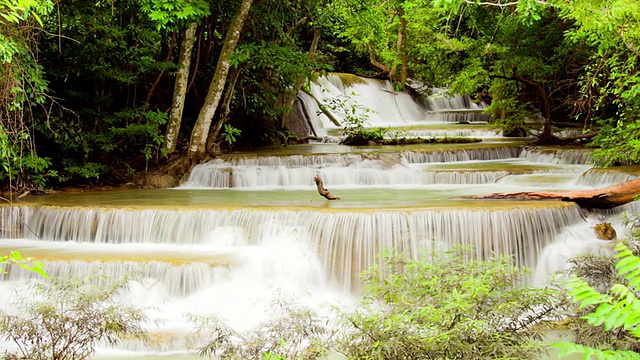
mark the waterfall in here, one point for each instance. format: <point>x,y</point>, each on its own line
<point>454,108</point>
<point>557,156</point>
<point>175,279</point>
<point>604,177</point>
<point>431,133</point>
<point>408,168</point>
<point>347,242</point>
<point>456,155</point>
<point>224,175</point>
<point>378,102</point>
<point>580,238</point>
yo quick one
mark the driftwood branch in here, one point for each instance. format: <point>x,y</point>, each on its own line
<point>322,191</point>
<point>602,198</point>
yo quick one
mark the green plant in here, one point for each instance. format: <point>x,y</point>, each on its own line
<point>26,263</point>
<point>362,136</point>
<point>230,134</point>
<point>66,319</point>
<point>447,306</point>
<point>22,86</point>
<point>617,144</point>
<point>616,310</point>
<point>88,170</point>
<point>22,169</point>
<point>354,117</point>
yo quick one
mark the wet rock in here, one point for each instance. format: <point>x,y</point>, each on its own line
<point>156,180</point>
<point>605,231</point>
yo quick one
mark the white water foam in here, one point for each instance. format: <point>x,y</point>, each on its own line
<point>575,240</point>
<point>378,103</point>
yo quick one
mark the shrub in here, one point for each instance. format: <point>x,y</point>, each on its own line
<point>67,318</point>
<point>609,329</point>
<point>448,307</point>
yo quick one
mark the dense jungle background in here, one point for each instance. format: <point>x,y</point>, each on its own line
<point>95,92</point>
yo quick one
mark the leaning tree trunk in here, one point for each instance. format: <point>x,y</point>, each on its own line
<point>372,58</point>
<point>198,141</point>
<point>180,89</point>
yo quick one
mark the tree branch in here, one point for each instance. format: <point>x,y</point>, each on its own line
<point>322,191</point>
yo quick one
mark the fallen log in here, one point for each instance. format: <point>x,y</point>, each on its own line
<point>322,191</point>
<point>602,198</point>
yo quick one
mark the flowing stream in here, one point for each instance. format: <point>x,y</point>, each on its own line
<point>247,229</point>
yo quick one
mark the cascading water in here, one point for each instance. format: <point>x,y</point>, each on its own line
<point>333,98</point>
<point>246,229</point>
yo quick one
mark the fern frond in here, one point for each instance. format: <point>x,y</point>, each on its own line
<point>585,294</point>
<point>628,265</point>
<point>569,348</point>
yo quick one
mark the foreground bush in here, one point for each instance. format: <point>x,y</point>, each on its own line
<point>447,307</point>
<point>607,327</point>
<point>66,319</point>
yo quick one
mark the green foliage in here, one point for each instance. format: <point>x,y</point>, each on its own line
<point>21,88</point>
<point>68,318</point>
<point>168,12</point>
<point>362,136</point>
<point>269,70</point>
<point>609,82</point>
<point>87,170</point>
<point>617,144</point>
<point>229,134</point>
<point>296,332</point>
<point>372,28</point>
<point>618,308</point>
<point>22,169</point>
<point>106,70</point>
<point>26,263</point>
<point>354,117</point>
<point>447,306</point>
<point>119,135</point>
<point>17,11</point>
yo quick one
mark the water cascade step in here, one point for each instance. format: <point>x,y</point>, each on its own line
<point>348,241</point>
<point>376,102</point>
<point>414,167</point>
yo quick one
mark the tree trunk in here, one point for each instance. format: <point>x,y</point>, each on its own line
<point>325,111</point>
<point>213,145</point>
<point>180,89</point>
<point>372,58</point>
<point>198,141</point>
<point>546,104</point>
<point>402,45</point>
